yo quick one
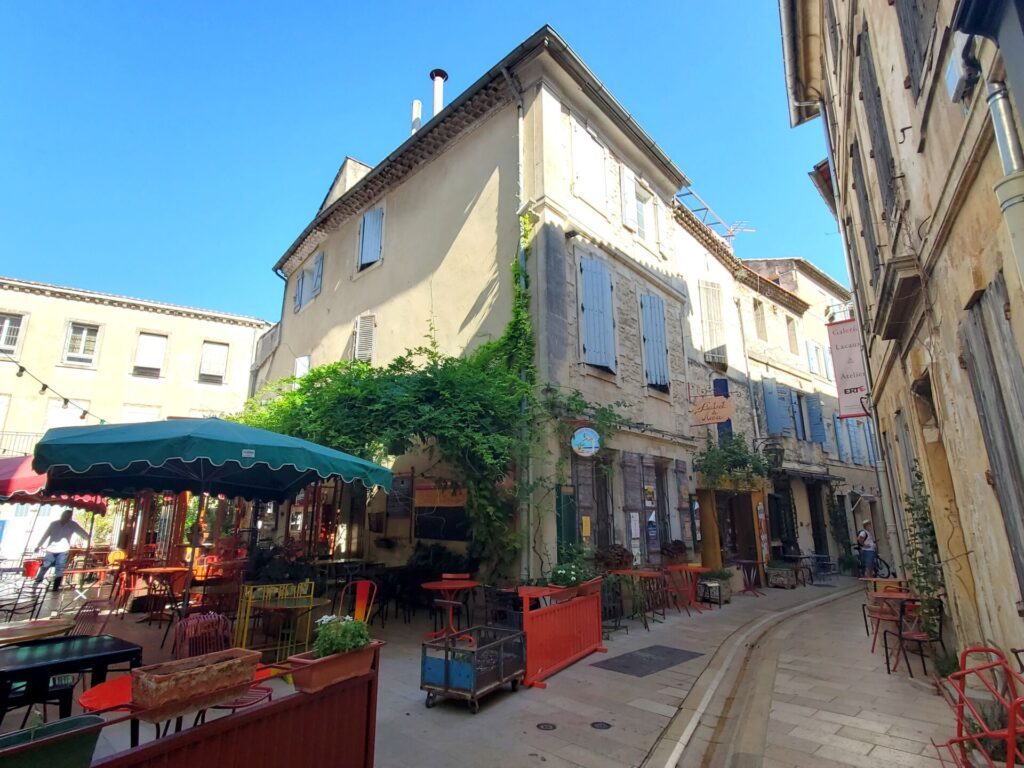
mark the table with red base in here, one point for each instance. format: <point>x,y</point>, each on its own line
<point>751,570</point>
<point>451,590</point>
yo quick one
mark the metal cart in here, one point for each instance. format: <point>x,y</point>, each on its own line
<point>471,663</point>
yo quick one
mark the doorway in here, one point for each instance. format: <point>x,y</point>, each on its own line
<point>819,532</point>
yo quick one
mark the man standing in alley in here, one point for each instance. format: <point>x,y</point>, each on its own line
<point>58,534</point>
<point>868,550</point>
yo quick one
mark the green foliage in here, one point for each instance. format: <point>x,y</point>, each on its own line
<point>730,463</point>
<point>717,574</point>
<point>924,564</point>
<point>613,557</point>
<point>427,563</point>
<point>571,574</point>
<point>838,526</point>
<point>779,565</point>
<point>848,562</point>
<point>340,635</point>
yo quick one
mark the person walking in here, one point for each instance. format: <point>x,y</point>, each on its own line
<point>58,534</point>
<point>868,548</point>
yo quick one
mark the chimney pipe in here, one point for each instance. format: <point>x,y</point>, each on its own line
<point>438,76</point>
<point>417,115</point>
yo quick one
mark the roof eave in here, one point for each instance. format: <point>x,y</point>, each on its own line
<point>801,108</point>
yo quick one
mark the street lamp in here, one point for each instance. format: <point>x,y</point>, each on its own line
<point>773,450</point>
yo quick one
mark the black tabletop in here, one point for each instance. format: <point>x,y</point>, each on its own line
<point>75,651</point>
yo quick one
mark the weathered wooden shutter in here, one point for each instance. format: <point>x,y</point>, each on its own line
<point>299,279</point>
<point>842,438</point>
<point>686,532</point>
<point>627,182</point>
<point>632,491</point>
<point>721,388</point>
<point>775,416</point>
<point>994,365</point>
<point>814,418</point>
<point>583,475</point>
<point>371,237</point>
<point>652,312</point>
<point>598,317</point>
<point>318,273</point>
<point>812,357</point>
<point>853,428</point>
<point>877,130</point>
<point>829,445</point>
<point>833,31</point>
<point>366,331</point>
<point>867,220</point>
<point>566,516</point>
<point>917,19</point>
<point>712,323</point>
<point>829,374</point>
<point>869,438</point>
<point>798,415</point>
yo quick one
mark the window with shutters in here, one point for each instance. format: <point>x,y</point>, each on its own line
<point>588,166</point>
<point>794,346</point>
<point>760,324</point>
<point>365,331</point>
<point>832,28</point>
<point>149,355</point>
<point>829,373</point>
<point>597,315</point>
<point>652,318</point>
<point>878,132</point>
<point>713,324</point>
<point>645,220</point>
<point>308,281</point>
<point>867,220</point>
<point>813,357</point>
<point>799,419</point>
<point>213,363</point>
<point>371,238</point>
<point>777,408</point>
<point>917,20</point>
<point>10,332</point>
<point>80,345</point>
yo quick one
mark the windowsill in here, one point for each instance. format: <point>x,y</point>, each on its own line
<point>600,373</point>
<point>360,272</point>
<point>211,383</point>
<point>78,366</point>
<point>659,394</point>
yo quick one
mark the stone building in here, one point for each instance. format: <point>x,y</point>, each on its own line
<point>921,110</point>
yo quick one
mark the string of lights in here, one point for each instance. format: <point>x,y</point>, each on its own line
<point>44,388</point>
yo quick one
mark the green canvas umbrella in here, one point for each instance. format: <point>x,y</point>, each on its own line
<point>198,455</point>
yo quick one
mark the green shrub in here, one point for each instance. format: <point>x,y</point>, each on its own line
<point>718,574</point>
<point>340,635</point>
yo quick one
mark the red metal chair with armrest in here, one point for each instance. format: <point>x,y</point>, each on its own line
<point>361,593</point>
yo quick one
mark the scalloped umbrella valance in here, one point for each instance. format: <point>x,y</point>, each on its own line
<point>198,455</point>
<point>19,484</point>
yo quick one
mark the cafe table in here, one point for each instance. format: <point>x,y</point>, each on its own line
<point>36,661</point>
<point>81,589</point>
<point>751,570</point>
<point>36,629</point>
<point>876,584</point>
<point>451,591</point>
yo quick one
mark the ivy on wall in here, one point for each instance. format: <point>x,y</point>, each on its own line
<point>924,564</point>
<point>731,463</point>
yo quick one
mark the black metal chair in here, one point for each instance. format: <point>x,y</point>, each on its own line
<point>910,628</point>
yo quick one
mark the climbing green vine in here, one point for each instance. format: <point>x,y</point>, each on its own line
<point>924,564</point>
<point>730,463</point>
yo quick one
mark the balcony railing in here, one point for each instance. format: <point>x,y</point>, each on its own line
<point>18,443</point>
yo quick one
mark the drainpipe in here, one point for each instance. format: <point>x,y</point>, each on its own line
<point>1010,189</point>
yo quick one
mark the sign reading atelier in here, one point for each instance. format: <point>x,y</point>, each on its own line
<point>848,362</point>
<point>712,409</point>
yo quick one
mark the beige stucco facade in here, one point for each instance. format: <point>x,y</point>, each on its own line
<point>942,334</point>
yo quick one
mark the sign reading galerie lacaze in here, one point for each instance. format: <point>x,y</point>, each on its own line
<point>848,362</point>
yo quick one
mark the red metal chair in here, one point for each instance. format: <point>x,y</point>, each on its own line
<point>361,593</point>
<point>878,612</point>
<point>910,628</point>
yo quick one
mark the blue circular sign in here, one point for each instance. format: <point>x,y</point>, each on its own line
<point>585,442</point>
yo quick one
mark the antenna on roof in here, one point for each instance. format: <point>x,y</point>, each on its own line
<point>699,208</point>
<point>736,227</point>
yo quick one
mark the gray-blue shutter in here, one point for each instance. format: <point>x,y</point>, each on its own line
<point>798,417</point>
<point>783,396</point>
<point>812,357</point>
<point>853,428</point>
<point>370,236</point>
<point>598,320</point>
<point>298,291</point>
<point>842,438</point>
<point>318,273</point>
<point>652,312</point>
<point>869,436</point>
<point>829,373</point>
<point>814,418</point>
<point>829,446</point>
<point>775,417</point>
<point>721,388</point>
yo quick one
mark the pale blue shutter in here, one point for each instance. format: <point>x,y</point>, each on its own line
<point>370,235</point>
<point>829,446</point>
<point>299,280</point>
<point>652,311</point>
<point>783,396</point>
<point>598,320</point>
<point>798,416</point>
<point>829,374</point>
<point>772,417</point>
<point>853,428</point>
<point>869,436</point>
<point>812,357</point>
<point>318,273</point>
<point>814,418</point>
<point>842,438</point>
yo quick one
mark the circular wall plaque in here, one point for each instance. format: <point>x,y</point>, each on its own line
<point>585,442</point>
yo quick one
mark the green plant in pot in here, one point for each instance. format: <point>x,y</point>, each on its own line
<point>780,574</point>
<point>723,576</point>
<point>342,649</point>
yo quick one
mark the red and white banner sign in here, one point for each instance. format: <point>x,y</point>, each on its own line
<point>848,363</point>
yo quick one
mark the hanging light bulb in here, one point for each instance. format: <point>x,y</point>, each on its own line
<point>84,413</point>
<point>42,389</point>
<point>66,401</point>
<point>21,371</point>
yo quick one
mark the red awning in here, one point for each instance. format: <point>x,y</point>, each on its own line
<point>19,484</point>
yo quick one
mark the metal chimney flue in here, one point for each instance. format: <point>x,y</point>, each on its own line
<point>438,76</point>
<point>417,115</point>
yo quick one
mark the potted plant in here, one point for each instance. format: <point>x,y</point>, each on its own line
<point>67,743</point>
<point>342,649</point>
<point>675,553</point>
<point>780,574</point>
<point>849,563</point>
<point>723,576</point>
<point>568,576</point>
<point>614,557</point>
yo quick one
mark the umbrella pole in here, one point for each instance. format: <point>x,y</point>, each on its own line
<point>193,540</point>
<point>32,530</point>
<point>88,543</point>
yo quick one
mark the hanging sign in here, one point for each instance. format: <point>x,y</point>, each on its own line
<point>712,409</point>
<point>848,362</point>
<point>585,442</point>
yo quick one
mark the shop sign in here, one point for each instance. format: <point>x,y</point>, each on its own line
<point>712,409</point>
<point>848,362</point>
<point>585,442</point>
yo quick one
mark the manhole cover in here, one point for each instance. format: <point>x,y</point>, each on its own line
<point>546,726</point>
<point>601,725</point>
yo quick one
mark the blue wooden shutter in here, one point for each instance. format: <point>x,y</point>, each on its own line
<point>814,418</point>
<point>652,312</point>
<point>370,236</point>
<point>869,436</point>
<point>318,273</point>
<point>798,416</point>
<point>842,439</point>
<point>598,320</point>
<point>783,396</point>
<point>721,388</point>
<point>298,291</point>
<point>812,357</point>
<point>829,374</point>
<point>772,415</point>
<point>853,428</point>
<point>829,446</point>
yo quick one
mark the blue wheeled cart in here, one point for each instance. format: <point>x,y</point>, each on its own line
<point>471,663</point>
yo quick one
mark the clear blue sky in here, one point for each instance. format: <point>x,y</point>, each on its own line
<point>173,151</point>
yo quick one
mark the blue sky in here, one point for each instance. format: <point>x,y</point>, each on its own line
<point>173,151</point>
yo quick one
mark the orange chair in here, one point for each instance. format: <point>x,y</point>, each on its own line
<point>362,596</point>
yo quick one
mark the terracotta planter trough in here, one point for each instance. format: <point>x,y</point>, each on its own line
<point>310,674</point>
<point>187,685</point>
